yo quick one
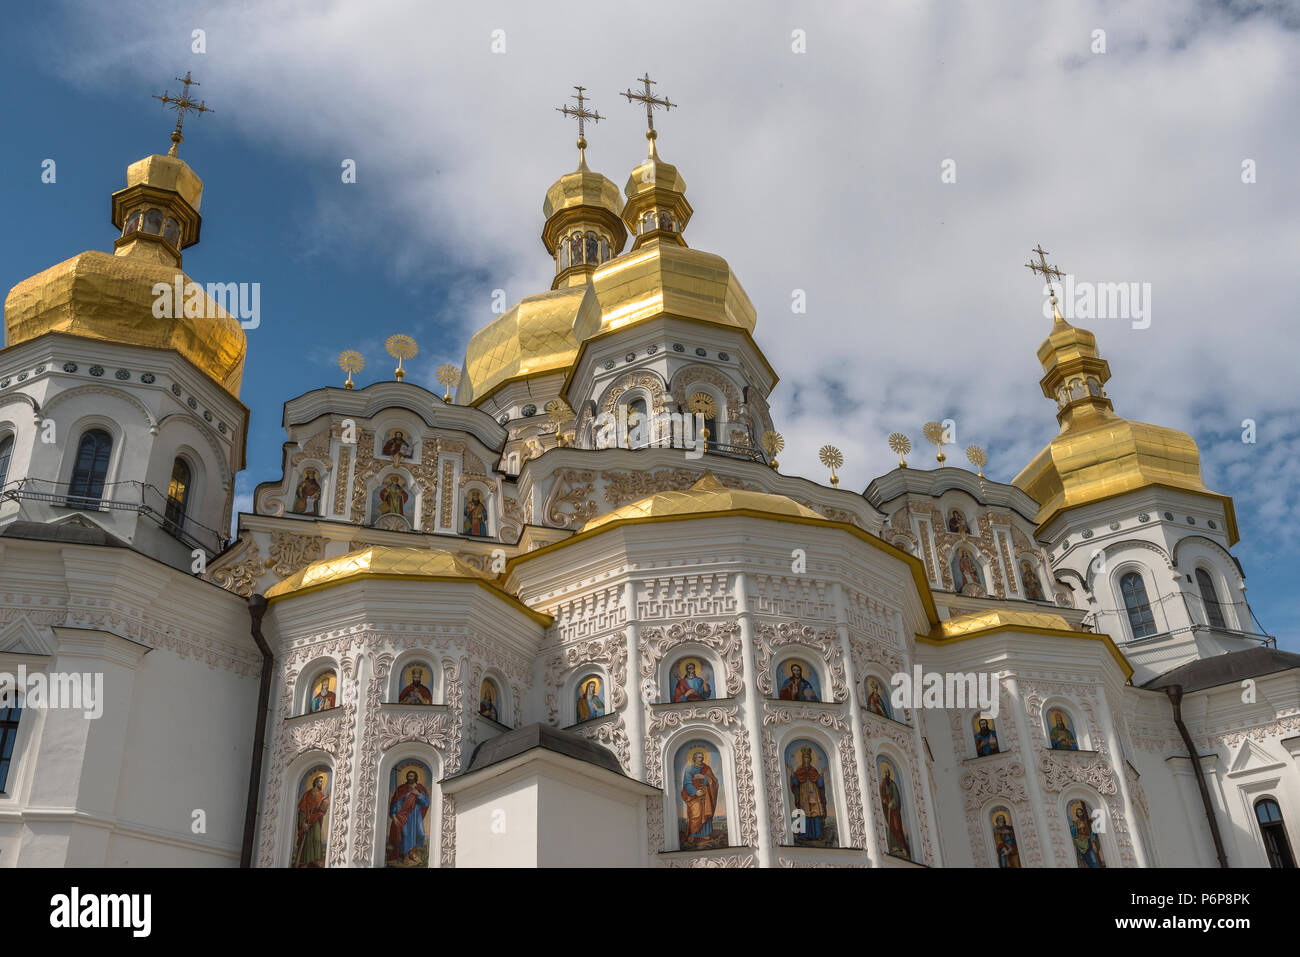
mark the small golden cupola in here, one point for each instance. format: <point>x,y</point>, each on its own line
<point>1097,454</point>
<point>656,205</point>
<point>583,226</point>
<point>112,298</point>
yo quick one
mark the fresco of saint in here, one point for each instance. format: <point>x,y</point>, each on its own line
<point>1062,731</point>
<point>1033,587</point>
<point>408,806</point>
<point>986,737</point>
<point>306,500</point>
<point>808,786</point>
<point>1004,840</point>
<point>311,837</point>
<point>1087,845</point>
<point>476,516</point>
<point>322,694</point>
<point>396,447</point>
<point>702,820</point>
<point>694,681</point>
<point>891,803</point>
<point>487,700</point>
<point>957,522</point>
<point>414,690</point>
<point>877,700</point>
<point>391,497</point>
<point>799,685</point>
<point>590,704</point>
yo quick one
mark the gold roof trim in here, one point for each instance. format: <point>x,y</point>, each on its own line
<point>393,562</point>
<point>913,563</point>
<point>706,495</point>
<point>1001,620</point>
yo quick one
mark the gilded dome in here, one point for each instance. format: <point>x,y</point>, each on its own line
<point>661,277</point>
<point>706,495</point>
<point>96,295</point>
<point>1098,454</point>
<point>378,561</point>
<point>541,334</point>
<point>582,188</point>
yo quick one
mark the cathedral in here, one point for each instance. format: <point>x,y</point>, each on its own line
<point>572,612</point>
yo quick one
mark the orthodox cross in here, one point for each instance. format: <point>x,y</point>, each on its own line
<point>1047,271</point>
<point>651,102</point>
<point>182,104</point>
<point>582,113</point>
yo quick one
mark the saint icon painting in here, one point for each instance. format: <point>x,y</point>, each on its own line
<point>311,838</point>
<point>701,809</point>
<point>808,779</point>
<point>408,813</point>
<point>590,703</point>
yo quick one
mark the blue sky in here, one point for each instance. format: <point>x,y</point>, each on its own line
<point>815,171</point>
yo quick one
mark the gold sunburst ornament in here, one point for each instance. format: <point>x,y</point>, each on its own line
<point>448,374</point>
<point>561,414</point>
<point>832,458</point>
<point>933,432</point>
<point>701,403</point>
<point>351,361</point>
<point>900,444</point>
<point>977,457</point>
<point>773,443</point>
<point>401,347</point>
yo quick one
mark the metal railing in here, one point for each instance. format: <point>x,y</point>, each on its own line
<point>139,497</point>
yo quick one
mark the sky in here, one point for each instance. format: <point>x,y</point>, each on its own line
<point>889,164</point>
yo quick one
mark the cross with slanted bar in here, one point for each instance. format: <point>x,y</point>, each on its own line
<point>1047,271</point>
<point>182,104</point>
<point>651,101</point>
<point>582,113</point>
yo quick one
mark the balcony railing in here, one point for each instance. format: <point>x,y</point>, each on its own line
<point>138,497</point>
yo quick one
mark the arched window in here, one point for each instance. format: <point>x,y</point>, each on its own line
<point>593,248</point>
<point>563,253</point>
<point>575,248</point>
<point>1140,618</point>
<point>647,220</point>
<point>132,223</point>
<point>172,231</point>
<point>8,735</point>
<point>90,469</point>
<point>6,453</point>
<point>638,424</point>
<point>604,249</point>
<point>1271,828</point>
<point>153,221</point>
<point>178,493</point>
<point>702,806</point>
<point>1213,612</point>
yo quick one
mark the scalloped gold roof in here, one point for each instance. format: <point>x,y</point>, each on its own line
<point>706,495</point>
<point>540,334</point>
<point>582,188</point>
<point>663,277</point>
<point>385,561</point>
<point>96,295</point>
<point>1002,618</point>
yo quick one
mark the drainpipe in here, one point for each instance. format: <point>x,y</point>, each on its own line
<point>256,609</point>
<point>1175,693</point>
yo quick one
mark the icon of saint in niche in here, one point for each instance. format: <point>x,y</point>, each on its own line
<point>1062,733</point>
<point>132,223</point>
<point>414,690</point>
<point>391,497</point>
<point>396,446</point>
<point>487,701</point>
<point>986,738</point>
<point>306,500</point>
<point>1033,587</point>
<point>957,522</point>
<point>796,687</point>
<point>476,517</point>
<point>322,694</point>
<point>891,802</point>
<point>408,841</point>
<point>700,800</point>
<point>312,837</point>
<point>1004,841</point>
<point>694,682</point>
<point>590,704</point>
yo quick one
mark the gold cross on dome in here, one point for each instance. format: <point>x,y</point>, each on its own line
<point>582,113</point>
<point>651,102</point>
<point>1047,271</point>
<point>182,104</point>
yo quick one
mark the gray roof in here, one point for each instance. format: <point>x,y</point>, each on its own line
<point>74,532</point>
<point>513,743</point>
<point>1226,669</point>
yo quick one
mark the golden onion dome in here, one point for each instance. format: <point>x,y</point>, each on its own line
<point>379,561</point>
<point>112,298</point>
<point>1097,454</point>
<point>539,335</point>
<point>705,496</point>
<point>96,295</point>
<point>660,277</point>
<point>582,188</point>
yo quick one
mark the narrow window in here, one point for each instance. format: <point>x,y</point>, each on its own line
<point>1271,829</point>
<point>178,492</point>
<point>6,453</point>
<point>1140,618</point>
<point>8,735</point>
<point>90,469</point>
<point>1213,611</point>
